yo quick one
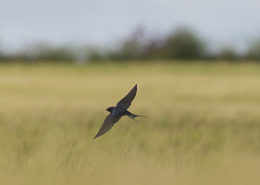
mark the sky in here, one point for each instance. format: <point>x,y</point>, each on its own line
<point>221,22</point>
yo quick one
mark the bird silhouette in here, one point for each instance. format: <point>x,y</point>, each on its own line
<point>118,111</point>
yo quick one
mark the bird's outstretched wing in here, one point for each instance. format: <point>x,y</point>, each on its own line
<point>108,124</point>
<point>126,101</point>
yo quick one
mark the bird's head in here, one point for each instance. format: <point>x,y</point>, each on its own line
<point>110,109</point>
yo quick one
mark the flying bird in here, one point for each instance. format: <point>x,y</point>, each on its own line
<point>118,111</point>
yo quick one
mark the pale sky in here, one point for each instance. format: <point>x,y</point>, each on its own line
<point>100,21</point>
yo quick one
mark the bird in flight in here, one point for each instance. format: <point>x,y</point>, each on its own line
<point>118,111</point>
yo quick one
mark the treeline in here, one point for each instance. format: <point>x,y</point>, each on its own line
<point>181,44</point>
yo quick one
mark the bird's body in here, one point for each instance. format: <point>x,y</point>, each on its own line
<point>118,111</point>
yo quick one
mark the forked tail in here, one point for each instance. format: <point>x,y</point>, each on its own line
<point>133,116</point>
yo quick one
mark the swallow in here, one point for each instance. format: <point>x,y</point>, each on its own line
<point>118,111</point>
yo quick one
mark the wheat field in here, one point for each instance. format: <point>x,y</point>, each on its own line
<point>202,125</point>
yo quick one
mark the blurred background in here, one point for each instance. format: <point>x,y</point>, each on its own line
<point>129,30</point>
<point>196,63</point>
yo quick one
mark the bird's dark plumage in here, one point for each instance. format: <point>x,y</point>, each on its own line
<point>108,124</point>
<point>126,101</point>
<point>117,112</point>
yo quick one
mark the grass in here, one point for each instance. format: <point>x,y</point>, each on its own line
<point>202,126</point>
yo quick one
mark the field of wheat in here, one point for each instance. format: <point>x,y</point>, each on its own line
<point>202,125</point>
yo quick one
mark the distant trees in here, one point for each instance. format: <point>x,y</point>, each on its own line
<point>1,53</point>
<point>228,53</point>
<point>180,44</point>
<point>45,51</point>
<point>183,44</point>
<point>253,52</point>
<point>131,48</point>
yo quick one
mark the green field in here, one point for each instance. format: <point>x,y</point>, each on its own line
<point>203,124</point>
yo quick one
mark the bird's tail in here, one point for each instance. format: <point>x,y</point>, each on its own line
<point>133,116</point>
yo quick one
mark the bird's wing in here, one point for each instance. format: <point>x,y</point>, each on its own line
<point>108,124</point>
<point>126,101</point>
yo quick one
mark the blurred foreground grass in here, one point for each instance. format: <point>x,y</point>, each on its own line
<point>203,124</point>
